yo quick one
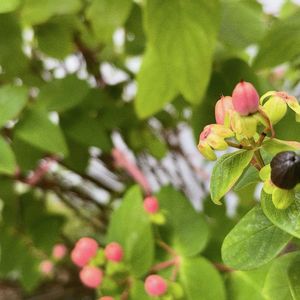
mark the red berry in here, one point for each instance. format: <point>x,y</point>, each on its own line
<point>79,257</point>
<point>114,252</point>
<point>223,107</point>
<point>106,298</point>
<point>245,98</point>
<point>46,267</point>
<point>87,245</point>
<point>151,205</point>
<point>91,276</point>
<point>155,285</point>
<point>59,251</point>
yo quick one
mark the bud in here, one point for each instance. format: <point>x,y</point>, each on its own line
<point>285,170</point>
<point>245,98</point>
<point>213,137</point>
<point>223,110</point>
<point>114,252</point>
<point>151,205</point>
<point>275,108</point>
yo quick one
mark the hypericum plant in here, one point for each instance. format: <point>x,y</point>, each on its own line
<point>245,122</point>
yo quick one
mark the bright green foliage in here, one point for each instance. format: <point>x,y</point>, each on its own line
<point>7,158</point>
<point>185,229</point>
<point>194,275</point>
<point>130,226</point>
<point>9,5</point>
<point>254,241</point>
<point>227,171</point>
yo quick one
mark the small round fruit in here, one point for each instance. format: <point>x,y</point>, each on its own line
<point>87,245</point>
<point>79,258</point>
<point>114,252</point>
<point>151,205</point>
<point>46,267</point>
<point>59,251</point>
<point>155,285</point>
<point>106,298</point>
<point>91,276</point>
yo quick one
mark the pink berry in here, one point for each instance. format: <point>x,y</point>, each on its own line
<point>59,251</point>
<point>79,257</point>
<point>87,245</point>
<point>91,276</point>
<point>46,267</point>
<point>114,252</point>
<point>245,98</point>
<point>151,205</point>
<point>155,285</point>
<point>106,298</point>
<point>223,106</point>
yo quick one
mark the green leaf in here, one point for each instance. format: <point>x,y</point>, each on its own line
<point>62,94</point>
<point>12,101</point>
<point>227,171</point>
<point>294,277</point>
<point>186,44</point>
<point>152,98</point>
<point>253,242</point>
<point>137,291</point>
<point>113,15</point>
<point>277,285</point>
<point>186,229</point>
<point>241,23</point>
<point>281,43</point>
<point>8,5</point>
<point>130,226</point>
<point>247,285</point>
<point>12,58</point>
<point>55,38</point>
<point>36,12</point>
<point>8,163</point>
<point>36,129</point>
<point>286,219</point>
<point>274,146</point>
<point>87,130</point>
<point>201,280</point>
<point>249,177</point>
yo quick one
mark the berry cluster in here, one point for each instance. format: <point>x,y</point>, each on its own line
<point>244,121</point>
<point>93,260</point>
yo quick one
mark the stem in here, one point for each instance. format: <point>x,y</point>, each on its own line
<point>223,268</point>
<point>166,247</point>
<point>257,154</point>
<point>238,146</point>
<point>163,265</point>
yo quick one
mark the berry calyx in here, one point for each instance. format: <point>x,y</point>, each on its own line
<point>59,251</point>
<point>245,98</point>
<point>151,205</point>
<point>91,276</point>
<point>155,285</point>
<point>114,252</point>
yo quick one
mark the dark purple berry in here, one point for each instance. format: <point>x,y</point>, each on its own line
<point>285,170</point>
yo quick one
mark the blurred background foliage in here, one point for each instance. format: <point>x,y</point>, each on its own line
<point>79,78</point>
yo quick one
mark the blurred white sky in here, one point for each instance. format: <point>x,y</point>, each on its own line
<point>273,6</point>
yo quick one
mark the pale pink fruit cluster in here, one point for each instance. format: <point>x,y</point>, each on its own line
<point>106,298</point>
<point>85,249</point>
<point>155,285</point>
<point>151,205</point>
<point>114,252</point>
